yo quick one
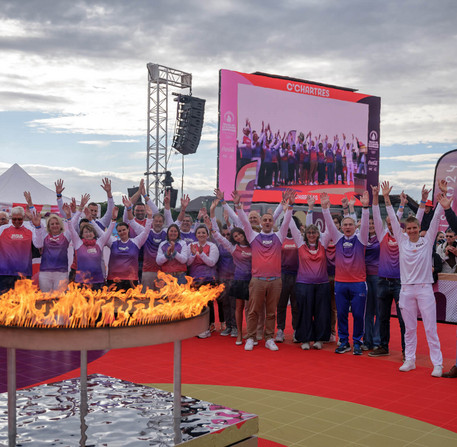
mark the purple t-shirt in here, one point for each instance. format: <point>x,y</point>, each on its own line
<point>55,254</point>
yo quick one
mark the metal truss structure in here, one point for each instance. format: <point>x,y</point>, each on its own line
<point>160,82</point>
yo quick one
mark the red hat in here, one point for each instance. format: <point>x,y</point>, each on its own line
<point>429,203</point>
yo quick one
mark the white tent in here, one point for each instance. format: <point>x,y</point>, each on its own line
<point>15,181</point>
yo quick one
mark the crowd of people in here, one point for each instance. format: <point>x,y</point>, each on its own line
<point>296,159</point>
<point>356,265</point>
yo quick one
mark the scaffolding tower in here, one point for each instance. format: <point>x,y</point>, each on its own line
<point>160,81</point>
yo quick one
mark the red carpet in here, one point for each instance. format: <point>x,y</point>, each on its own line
<point>374,382</point>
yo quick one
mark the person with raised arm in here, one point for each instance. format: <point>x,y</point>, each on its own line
<point>123,264</point>
<point>389,283</point>
<point>16,240</point>
<point>185,222</point>
<point>202,266</point>
<point>89,248</point>
<point>451,218</point>
<point>59,189</point>
<point>225,270</point>
<point>312,289</point>
<point>54,241</point>
<point>350,273</point>
<point>371,337</point>
<point>416,283</point>
<point>104,221</point>
<point>289,269</point>
<point>156,235</point>
<point>265,285</point>
<point>240,250</point>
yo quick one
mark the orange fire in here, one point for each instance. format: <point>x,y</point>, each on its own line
<point>27,306</point>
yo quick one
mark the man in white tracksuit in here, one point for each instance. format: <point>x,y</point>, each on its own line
<point>416,283</point>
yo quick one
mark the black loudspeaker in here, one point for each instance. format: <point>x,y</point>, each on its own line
<point>173,197</point>
<point>189,124</point>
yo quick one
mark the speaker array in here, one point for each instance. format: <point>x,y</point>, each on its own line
<point>189,124</point>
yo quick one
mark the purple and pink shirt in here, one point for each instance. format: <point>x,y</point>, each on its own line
<point>202,266</point>
<point>177,262</point>
<point>349,251</point>
<point>123,261</point>
<point>89,254</point>
<point>242,257</point>
<point>312,267</point>
<point>16,250</point>
<point>266,247</point>
<point>54,256</point>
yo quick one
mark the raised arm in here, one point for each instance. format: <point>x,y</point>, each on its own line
<point>446,203</point>
<point>352,212</point>
<point>74,222</point>
<point>142,237</point>
<point>128,213</point>
<point>167,211</point>
<point>185,200</point>
<point>364,230</point>
<point>106,186</point>
<point>396,228</point>
<point>59,189</point>
<point>424,196</point>
<point>137,195</point>
<point>103,239</point>
<point>401,208</point>
<point>288,206</point>
<point>309,215</point>
<point>330,226</point>
<point>297,236</point>
<point>28,199</point>
<point>378,226</point>
<point>221,240</point>
<point>97,229</point>
<point>250,233</point>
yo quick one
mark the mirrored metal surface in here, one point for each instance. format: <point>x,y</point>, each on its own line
<point>120,413</point>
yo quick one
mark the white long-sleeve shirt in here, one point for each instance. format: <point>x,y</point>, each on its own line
<point>416,257</point>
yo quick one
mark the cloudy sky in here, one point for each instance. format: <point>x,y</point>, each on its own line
<point>73,83</point>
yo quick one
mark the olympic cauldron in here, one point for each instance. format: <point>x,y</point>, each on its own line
<point>82,319</point>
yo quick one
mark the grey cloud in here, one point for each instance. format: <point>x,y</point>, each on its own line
<point>32,97</point>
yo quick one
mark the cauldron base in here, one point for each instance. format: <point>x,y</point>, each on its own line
<point>121,413</point>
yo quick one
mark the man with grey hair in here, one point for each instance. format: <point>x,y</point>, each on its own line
<point>16,248</point>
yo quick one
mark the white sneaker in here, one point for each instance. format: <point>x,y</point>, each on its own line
<point>271,345</point>
<point>317,345</point>
<point>294,340</point>
<point>249,345</point>
<point>280,336</point>
<point>437,371</point>
<point>305,346</point>
<point>409,365</point>
<point>205,334</point>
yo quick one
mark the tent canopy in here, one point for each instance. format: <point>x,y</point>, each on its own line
<point>15,181</point>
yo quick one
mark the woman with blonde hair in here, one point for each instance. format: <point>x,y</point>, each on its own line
<point>53,241</point>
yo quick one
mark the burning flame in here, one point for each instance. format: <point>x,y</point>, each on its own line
<point>27,306</point>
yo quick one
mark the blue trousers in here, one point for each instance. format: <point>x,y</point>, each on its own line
<point>353,295</point>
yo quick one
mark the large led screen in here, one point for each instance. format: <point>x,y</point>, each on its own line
<point>276,132</point>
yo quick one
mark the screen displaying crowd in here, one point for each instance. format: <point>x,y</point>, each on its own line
<point>289,157</point>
